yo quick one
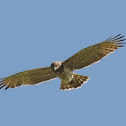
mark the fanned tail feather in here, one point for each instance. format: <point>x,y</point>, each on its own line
<point>77,82</point>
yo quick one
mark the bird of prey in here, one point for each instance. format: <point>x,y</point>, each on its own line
<point>64,70</point>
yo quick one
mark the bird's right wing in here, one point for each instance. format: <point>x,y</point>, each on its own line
<point>95,53</point>
<point>28,77</point>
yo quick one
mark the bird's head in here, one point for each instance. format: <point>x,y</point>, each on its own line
<point>56,65</point>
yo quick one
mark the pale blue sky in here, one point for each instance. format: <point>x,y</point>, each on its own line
<point>34,33</point>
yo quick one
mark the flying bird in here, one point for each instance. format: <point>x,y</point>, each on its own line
<point>64,70</point>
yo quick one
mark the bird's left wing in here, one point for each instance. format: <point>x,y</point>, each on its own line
<point>95,53</point>
<point>28,77</point>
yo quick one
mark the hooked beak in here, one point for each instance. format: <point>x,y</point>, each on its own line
<point>53,67</point>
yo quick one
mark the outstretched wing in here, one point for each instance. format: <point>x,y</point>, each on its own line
<point>28,77</point>
<point>95,53</point>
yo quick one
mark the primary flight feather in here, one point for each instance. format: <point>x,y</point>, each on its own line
<point>64,70</point>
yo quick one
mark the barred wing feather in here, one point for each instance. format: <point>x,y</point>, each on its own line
<point>28,77</point>
<point>95,53</point>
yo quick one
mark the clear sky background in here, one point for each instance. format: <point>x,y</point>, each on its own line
<point>34,33</point>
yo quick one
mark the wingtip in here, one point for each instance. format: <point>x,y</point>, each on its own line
<point>119,40</point>
<point>6,87</point>
<point>2,83</point>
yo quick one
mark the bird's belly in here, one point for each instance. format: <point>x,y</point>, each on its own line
<point>66,76</point>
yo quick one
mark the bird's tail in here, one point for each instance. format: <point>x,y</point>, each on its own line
<point>77,82</point>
